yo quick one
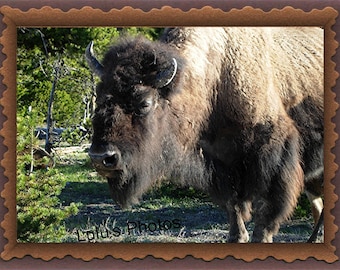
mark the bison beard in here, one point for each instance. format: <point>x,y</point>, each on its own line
<point>210,108</point>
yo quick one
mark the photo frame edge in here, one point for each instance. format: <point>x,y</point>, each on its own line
<point>12,249</point>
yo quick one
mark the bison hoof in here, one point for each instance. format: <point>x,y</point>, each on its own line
<point>243,238</point>
<point>262,237</point>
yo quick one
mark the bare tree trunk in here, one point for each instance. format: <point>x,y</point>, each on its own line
<point>92,105</point>
<point>49,119</point>
<point>31,146</point>
<point>90,100</point>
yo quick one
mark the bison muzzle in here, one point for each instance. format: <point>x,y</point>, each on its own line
<point>236,112</point>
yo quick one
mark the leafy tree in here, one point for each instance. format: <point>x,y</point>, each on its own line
<point>37,58</point>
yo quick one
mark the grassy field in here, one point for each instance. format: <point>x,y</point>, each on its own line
<point>166,214</point>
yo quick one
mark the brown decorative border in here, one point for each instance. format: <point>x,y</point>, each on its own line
<point>165,16</point>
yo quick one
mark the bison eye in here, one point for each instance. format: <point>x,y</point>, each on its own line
<point>128,108</point>
<point>144,107</point>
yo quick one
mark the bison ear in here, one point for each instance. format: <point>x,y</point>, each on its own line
<point>92,61</point>
<point>165,76</point>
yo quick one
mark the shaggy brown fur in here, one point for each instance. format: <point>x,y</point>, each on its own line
<point>241,119</point>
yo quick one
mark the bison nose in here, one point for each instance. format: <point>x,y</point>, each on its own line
<point>108,157</point>
<point>111,160</point>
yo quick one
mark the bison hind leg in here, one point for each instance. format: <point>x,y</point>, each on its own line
<point>314,191</point>
<point>316,205</point>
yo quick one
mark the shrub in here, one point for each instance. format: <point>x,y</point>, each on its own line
<point>40,217</point>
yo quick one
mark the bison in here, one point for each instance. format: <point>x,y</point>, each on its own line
<point>236,112</point>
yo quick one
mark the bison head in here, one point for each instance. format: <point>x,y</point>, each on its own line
<point>131,117</point>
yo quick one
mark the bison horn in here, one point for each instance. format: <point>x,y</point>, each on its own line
<point>94,64</point>
<point>165,77</point>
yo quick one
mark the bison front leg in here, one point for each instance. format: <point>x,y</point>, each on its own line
<point>282,178</point>
<point>265,226</point>
<point>237,215</point>
<point>273,209</point>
